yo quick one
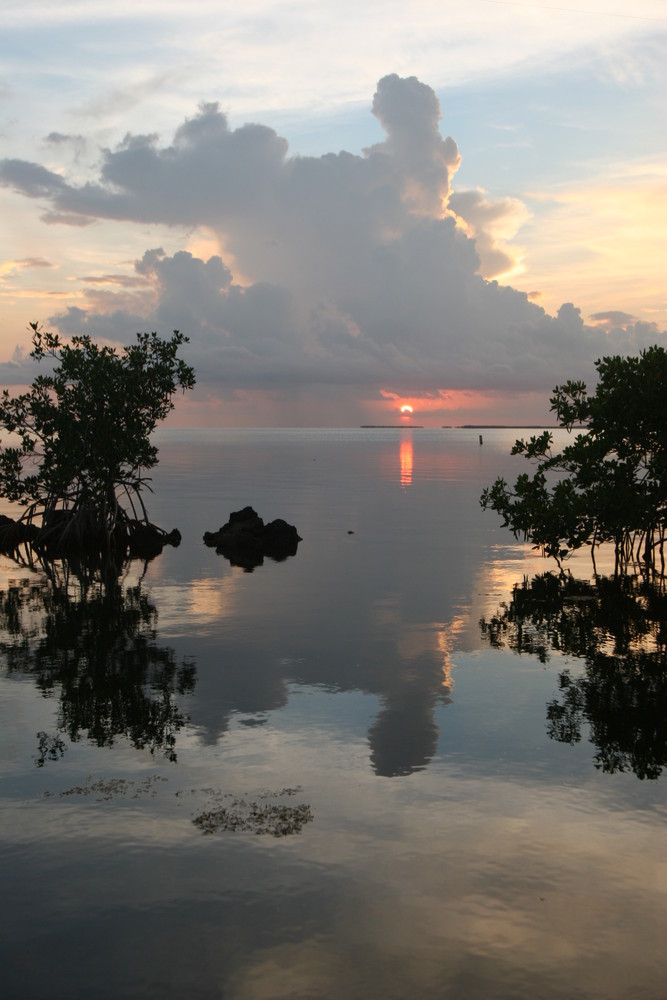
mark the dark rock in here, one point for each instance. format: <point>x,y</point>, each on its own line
<point>280,539</point>
<point>245,540</point>
<point>173,538</point>
<point>145,540</point>
<point>247,518</point>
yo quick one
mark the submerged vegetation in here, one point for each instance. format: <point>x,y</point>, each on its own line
<point>610,484</point>
<point>256,815</point>
<point>81,445</point>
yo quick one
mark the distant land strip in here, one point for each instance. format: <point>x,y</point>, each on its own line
<point>466,427</point>
<point>502,427</point>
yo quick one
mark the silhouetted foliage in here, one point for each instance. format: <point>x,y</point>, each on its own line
<point>615,483</point>
<point>82,443</point>
<point>95,645</point>
<point>618,627</point>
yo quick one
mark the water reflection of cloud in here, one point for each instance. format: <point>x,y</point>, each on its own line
<point>404,736</point>
<point>497,887</point>
<point>452,885</point>
<point>438,640</point>
<point>408,666</point>
<point>202,602</point>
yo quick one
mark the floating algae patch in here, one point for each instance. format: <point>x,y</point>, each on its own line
<point>256,815</point>
<point>260,812</point>
<point>112,788</point>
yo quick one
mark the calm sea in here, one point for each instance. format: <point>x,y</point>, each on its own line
<point>326,778</point>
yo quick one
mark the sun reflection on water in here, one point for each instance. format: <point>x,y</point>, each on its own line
<point>406,461</point>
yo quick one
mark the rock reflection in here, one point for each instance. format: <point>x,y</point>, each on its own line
<point>93,639</point>
<point>618,627</point>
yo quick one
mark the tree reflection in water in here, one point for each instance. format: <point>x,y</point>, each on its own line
<point>92,636</point>
<point>618,626</point>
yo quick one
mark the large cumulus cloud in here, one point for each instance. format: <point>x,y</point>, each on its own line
<point>340,269</point>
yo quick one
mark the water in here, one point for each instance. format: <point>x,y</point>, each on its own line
<point>438,839</point>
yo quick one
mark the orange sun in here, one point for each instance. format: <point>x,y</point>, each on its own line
<point>406,409</point>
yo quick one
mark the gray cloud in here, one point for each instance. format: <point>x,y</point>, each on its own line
<point>346,269</point>
<point>31,179</point>
<point>32,263</point>
<point>62,139</point>
<point>612,319</point>
<point>75,144</point>
<point>122,280</point>
<point>20,370</point>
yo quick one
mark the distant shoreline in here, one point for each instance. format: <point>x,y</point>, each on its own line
<point>464,427</point>
<point>502,427</point>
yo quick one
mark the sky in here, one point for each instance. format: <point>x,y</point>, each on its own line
<point>347,208</point>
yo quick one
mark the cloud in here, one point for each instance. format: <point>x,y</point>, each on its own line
<point>11,267</point>
<point>61,139</point>
<point>66,219</point>
<point>76,144</point>
<point>19,370</point>
<point>613,319</point>
<point>122,280</point>
<point>341,269</point>
<point>491,222</point>
<point>31,179</point>
<point>123,99</point>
